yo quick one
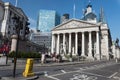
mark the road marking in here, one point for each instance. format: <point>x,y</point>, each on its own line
<point>80,68</point>
<point>63,71</point>
<point>52,77</point>
<point>113,75</point>
<point>83,77</point>
<point>95,66</point>
<point>45,73</point>
<point>95,74</point>
<point>118,78</point>
<point>79,72</point>
<point>83,68</point>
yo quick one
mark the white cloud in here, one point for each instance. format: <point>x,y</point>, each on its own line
<point>32,23</point>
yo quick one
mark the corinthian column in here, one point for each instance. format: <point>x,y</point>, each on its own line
<point>53,43</point>
<point>90,46</point>
<point>76,43</point>
<point>83,44</point>
<point>69,42</point>
<point>64,48</point>
<point>58,43</point>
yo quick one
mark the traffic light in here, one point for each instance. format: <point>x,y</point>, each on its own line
<point>21,24</point>
<point>27,30</point>
<point>27,23</point>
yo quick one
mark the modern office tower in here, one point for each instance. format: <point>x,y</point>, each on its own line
<point>47,20</point>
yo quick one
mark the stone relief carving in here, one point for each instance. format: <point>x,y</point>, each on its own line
<point>74,24</point>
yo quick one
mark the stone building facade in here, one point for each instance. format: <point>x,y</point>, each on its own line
<point>11,19</point>
<point>86,37</point>
<point>115,50</point>
<point>8,25</point>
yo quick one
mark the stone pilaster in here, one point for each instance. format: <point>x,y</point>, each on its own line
<point>90,46</point>
<point>97,55</point>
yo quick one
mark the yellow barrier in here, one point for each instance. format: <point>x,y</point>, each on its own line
<point>28,69</point>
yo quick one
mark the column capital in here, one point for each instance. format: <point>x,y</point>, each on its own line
<point>63,33</point>
<point>97,31</point>
<point>14,36</point>
<point>58,33</point>
<point>89,31</point>
<point>69,32</point>
<point>53,33</point>
<point>76,32</point>
<point>82,32</point>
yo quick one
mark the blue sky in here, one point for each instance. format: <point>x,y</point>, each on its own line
<point>111,10</point>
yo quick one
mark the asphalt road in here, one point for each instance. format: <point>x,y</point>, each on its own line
<point>91,71</point>
<point>103,70</point>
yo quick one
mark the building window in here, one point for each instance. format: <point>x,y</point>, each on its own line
<point>8,32</point>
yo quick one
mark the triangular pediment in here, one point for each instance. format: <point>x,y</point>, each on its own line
<point>74,23</point>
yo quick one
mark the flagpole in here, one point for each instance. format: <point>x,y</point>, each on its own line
<point>74,10</point>
<point>16,3</point>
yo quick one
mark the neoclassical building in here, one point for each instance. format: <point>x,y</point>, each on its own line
<point>86,37</point>
<point>11,19</point>
<point>8,25</point>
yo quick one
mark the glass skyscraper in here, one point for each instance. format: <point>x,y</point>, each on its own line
<point>47,20</point>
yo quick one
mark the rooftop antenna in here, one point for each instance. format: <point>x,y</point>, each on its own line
<point>74,10</point>
<point>102,16</point>
<point>16,2</point>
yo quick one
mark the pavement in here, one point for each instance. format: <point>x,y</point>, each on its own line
<point>41,73</point>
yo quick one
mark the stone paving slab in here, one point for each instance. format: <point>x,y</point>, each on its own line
<point>3,60</point>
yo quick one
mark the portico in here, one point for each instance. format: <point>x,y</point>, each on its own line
<point>86,37</point>
<point>81,39</point>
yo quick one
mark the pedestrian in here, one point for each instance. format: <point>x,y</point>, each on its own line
<point>4,52</point>
<point>54,56</point>
<point>116,59</point>
<point>43,58</point>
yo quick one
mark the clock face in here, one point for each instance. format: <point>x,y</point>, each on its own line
<point>1,12</point>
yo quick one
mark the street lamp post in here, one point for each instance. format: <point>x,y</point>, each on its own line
<point>18,27</point>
